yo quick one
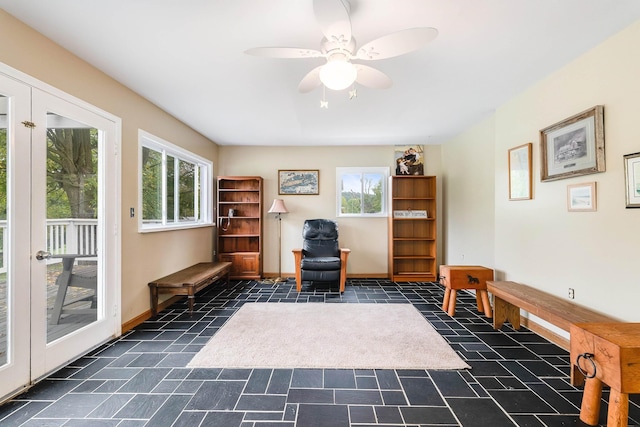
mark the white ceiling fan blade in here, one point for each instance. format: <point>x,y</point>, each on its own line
<point>310,81</point>
<point>284,52</point>
<point>333,18</point>
<point>372,78</point>
<point>398,43</point>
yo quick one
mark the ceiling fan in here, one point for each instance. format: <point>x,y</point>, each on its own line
<point>338,46</point>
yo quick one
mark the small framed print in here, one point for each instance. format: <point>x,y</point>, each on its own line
<point>582,197</point>
<point>632,179</point>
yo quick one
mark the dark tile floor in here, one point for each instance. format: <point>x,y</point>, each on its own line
<point>517,378</point>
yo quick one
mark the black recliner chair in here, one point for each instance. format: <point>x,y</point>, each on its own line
<point>321,259</point>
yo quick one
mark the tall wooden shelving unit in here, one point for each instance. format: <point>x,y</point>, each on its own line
<point>412,235</point>
<point>240,235</point>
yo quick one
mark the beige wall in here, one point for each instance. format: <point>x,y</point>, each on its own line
<point>144,256</point>
<point>538,242</point>
<point>469,196</point>
<point>366,237</point>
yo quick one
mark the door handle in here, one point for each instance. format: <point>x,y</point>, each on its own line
<point>40,255</point>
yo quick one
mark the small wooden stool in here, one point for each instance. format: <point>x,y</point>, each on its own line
<point>607,353</point>
<point>455,277</point>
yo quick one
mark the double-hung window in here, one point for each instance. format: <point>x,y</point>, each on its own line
<point>175,186</point>
<point>362,191</point>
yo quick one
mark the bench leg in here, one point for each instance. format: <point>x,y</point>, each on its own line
<point>504,311</point>
<point>590,408</point>
<point>618,414</point>
<point>153,290</point>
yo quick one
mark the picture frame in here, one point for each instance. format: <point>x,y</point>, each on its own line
<point>632,179</point>
<point>582,197</point>
<point>409,159</point>
<point>299,182</point>
<point>520,176</point>
<point>574,146</point>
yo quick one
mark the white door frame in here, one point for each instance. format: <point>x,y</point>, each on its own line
<point>58,353</point>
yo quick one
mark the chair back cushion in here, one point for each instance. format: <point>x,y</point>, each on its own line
<point>320,238</point>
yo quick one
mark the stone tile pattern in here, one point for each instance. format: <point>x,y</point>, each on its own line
<point>517,378</point>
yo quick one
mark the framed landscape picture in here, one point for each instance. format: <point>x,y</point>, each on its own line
<point>298,182</point>
<point>582,197</point>
<point>574,146</point>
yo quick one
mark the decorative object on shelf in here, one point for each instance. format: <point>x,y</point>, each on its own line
<point>632,179</point>
<point>409,213</point>
<point>279,208</point>
<point>338,47</point>
<point>298,182</point>
<point>582,197</point>
<point>409,159</point>
<point>520,182</point>
<point>574,146</point>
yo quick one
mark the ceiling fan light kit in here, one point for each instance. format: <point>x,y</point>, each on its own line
<point>339,48</point>
<point>338,73</point>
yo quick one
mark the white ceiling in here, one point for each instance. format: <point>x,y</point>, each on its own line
<point>187,57</point>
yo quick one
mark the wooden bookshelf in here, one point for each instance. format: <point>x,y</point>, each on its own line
<point>412,228</point>
<point>240,234</point>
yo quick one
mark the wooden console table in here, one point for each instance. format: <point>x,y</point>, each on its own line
<point>610,352</point>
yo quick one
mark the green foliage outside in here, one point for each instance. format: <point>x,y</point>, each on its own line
<point>369,201</point>
<point>152,187</point>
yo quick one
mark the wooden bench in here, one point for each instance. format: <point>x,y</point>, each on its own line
<point>188,281</point>
<point>510,297</point>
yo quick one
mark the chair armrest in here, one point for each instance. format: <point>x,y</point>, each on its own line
<point>344,254</point>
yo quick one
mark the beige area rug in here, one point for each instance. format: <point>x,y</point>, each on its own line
<point>355,336</point>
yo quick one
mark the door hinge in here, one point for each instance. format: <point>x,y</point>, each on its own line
<point>28,124</point>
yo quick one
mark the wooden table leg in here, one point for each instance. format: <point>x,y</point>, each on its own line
<point>618,414</point>
<point>445,301</point>
<point>590,408</point>
<point>452,302</point>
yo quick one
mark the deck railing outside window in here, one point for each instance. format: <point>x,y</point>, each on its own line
<point>64,236</point>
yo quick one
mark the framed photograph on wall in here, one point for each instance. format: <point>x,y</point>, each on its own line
<point>409,159</point>
<point>520,185</point>
<point>632,179</point>
<point>298,182</point>
<point>574,146</point>
<point>582,197</point>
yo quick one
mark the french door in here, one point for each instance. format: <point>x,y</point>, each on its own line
<point>61,281</point>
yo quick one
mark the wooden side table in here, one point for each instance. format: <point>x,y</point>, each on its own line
<point>610,352</point>
<point>455,277</point>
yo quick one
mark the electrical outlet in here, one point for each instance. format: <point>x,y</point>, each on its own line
<point>572,293</point>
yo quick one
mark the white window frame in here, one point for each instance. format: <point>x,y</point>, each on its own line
<point>384,171</point>
<point>204,170</point>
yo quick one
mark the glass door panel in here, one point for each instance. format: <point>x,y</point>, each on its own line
<point>70,193</point>
<point>14,226</point>
<point>72,226</point>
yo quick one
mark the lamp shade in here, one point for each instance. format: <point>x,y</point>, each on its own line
<point>278,207</point>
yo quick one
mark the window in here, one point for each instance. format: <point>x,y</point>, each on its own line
<point>362,191</point>
<point>174,186</point>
